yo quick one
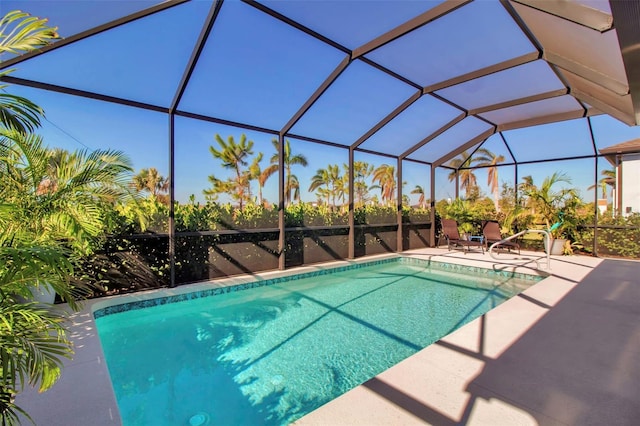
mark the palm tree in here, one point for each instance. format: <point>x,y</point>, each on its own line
<point>385,176</point>
<point>152,181</point>
<point>336,183</point>
<point>607,180</point>
<point>525,187</point>
<point>58,196</point>
<point>491,160</point>
<point>342,187</point>
<point>292,189</point>
<point>422,201</point>
<point>333,182</point>
<point>361,171</point>
<point>467,178</point>
<point>217,188</point>
<point>233,156</point>
<point>291,183</point>
<point>548,203</point>
<point>320,183</point>
<point>255,173</point>
<point>17,112</point>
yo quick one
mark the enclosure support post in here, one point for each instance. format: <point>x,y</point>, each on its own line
<point>515,171</point>
<point>595,189</point>
<point>432,212</point>
<point>172,197</point>
<point>281,201</point>
<point>595,217</point>
<point>399,246</point>
<point>186,76</point>
<point>352,228</point>
<point>618,190</point>
<point>516,198</point>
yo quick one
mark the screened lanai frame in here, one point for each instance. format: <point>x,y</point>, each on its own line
<point>599,76</point>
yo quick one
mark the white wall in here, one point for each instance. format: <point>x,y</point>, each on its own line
<point>630,183</point>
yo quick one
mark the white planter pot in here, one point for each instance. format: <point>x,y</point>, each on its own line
<point>557,246</point>
<point>44,294</point>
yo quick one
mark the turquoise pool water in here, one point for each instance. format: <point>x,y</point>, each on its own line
<point>270,354</point>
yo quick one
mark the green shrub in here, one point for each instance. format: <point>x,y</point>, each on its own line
<point>623,241</point>
<point>304,214</point>
<point>375,215</point>
<point>415,215</point>
<point>469,215</point>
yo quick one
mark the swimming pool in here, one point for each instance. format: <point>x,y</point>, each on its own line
<point>271,351</point>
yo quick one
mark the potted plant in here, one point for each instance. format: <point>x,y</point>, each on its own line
<point>557,208</point>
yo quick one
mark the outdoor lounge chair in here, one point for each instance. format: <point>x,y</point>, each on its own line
<point>491,233</point>
<point>450,231</point>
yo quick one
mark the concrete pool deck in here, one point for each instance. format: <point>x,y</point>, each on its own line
<point>564,352</point>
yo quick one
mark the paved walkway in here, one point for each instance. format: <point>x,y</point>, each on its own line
<point>564,352</point>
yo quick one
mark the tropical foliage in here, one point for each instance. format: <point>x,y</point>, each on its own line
<point>53,195</point>
<point>55,208</point>
<point>556,207</point>
<point>33,255</point>
<point>237,157</point>
<point>32,336</point>
<point>52,205</point>
<point>620,236</point>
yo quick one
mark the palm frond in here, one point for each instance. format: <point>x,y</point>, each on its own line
<point>20,32</point>
<point>19,113</point>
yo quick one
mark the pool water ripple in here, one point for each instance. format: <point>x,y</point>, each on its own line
<point>272,353</point>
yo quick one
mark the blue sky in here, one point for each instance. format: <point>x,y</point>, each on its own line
<point>261,73</point>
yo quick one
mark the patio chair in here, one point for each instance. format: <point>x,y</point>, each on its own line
<point>492,234</point>
<point>450,231</point>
